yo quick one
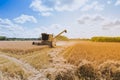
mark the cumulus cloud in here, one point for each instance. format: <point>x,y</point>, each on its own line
<point>37,5</point>
<point>46,14</point>
<point>86,19</point>
<point>110,24</point>
<point>25,18</point>
<point>69,5</point>
<point>8,28</point>
<point>94,5</point>
<point>44,8</point>
<point>117,2</point>
<point>109,2</point>
<point>99,20</point>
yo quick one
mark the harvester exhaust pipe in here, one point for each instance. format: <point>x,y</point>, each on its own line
<point>65,31</point>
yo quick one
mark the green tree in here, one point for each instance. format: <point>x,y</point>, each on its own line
<point>2,38</point>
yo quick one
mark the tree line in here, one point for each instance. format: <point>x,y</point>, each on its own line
<point>105,39</point>
<point>4,38</point>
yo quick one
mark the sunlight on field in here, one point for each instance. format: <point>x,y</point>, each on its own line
<point>95,60</point>
<point>11,69</point>
<point>37,59</point>
<point>3,60</point>
<point>19,53</point>
<point>19,47</point>
<point>70,60</point>
<point>93,51</point>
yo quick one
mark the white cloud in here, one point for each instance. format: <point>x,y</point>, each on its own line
<point>94,5</point>
<point>109,2</point>
<point>112,24</point>
<point>9,29</point>
<point>91,19</point>
<point>8,24</point>
<point>44,9</point>
<point>46,14</point>
<point>69,5</point>
<point>98,25</point>
<point>38,6</point>
<point>57,5</point>
<point>99,20</point>
<point>117,2</point>
<point>25,18</point>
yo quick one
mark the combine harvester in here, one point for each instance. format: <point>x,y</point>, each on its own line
<point>48,39</point>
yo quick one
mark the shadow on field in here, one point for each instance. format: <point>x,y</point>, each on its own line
<point>109,70</point>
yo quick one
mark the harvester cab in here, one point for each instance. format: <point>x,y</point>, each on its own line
<point>48,39</point>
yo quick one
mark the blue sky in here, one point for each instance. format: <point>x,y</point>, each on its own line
<point>82,18</point>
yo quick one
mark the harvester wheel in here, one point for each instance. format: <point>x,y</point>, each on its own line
<point>52,44</point>
<point>33,43</point>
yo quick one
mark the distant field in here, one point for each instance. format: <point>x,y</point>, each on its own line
<point>19,46</point>
<point>97,52</point>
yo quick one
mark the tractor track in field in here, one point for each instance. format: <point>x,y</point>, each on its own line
<point>26,67</point>
<point>57,64</point>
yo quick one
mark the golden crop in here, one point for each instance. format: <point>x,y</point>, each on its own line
<point>95,60</point>
<point>92,60</point>
<point>97,52</point>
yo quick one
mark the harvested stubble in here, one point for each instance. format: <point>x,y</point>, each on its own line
<point>10,71</point>
<point>87,71</point>
<point>24,51</point>
<point>19,47</point>
<point>65,76</point>
<point>60,74</point>
<point>110,70</point>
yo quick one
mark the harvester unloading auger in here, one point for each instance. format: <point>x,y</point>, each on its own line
<point>48,39</point>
